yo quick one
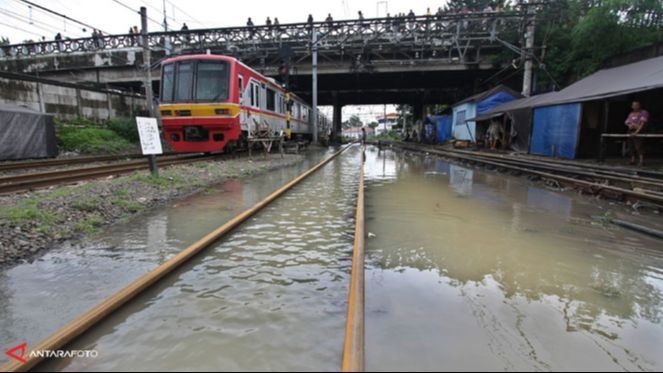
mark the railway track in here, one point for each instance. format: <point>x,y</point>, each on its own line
<point>30,165</point>
<point>31,181</point>
<point>595,179</point>
<point>88,320</point>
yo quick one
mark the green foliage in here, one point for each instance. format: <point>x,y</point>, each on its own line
<point>353,122</point>
<point>87,137</point>
<point>389,136</point>
<point>29,211</point>
<point>125,127</point>
<point>580,35</point>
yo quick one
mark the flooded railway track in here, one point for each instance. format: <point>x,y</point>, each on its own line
<point>594,180</point>
<point>535,284</point>
<point>105,309</point>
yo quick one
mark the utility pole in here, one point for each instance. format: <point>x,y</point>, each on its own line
<point>149,94</point>
<point>529,49</point>
<point>165,17</point>
<point>314,75</point>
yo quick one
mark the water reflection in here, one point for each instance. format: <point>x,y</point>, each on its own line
<point>474,270</point>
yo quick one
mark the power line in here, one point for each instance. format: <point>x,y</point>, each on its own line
<point>60,14</point>
<point>20,29</point>
<point>135,11</point>
<point>185,13</point>
<point>32,22</point>
<point>18,18</point>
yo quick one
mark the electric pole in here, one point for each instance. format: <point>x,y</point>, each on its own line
<point>314,74</point>
<point>149,94</point>
<point>165,17</point>
<point>528,53</point>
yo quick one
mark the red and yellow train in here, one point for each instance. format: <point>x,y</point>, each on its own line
<point>210,101</point>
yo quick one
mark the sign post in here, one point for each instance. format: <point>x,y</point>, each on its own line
<point>150,141</point>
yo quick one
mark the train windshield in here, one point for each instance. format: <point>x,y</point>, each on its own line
<point>212,81</point>
<point>201,81</point>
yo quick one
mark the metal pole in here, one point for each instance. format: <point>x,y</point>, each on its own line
<point>315,84</point>
<point>149,95</point>
<point>529,50</point>
<point>165,17</point>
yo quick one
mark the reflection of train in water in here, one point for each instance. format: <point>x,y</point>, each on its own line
<point>208,102</point>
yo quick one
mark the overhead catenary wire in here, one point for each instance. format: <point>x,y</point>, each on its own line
<point>118,2</point>
<point>190,17</point>
<point>61,15</point>
<point>34,23</point>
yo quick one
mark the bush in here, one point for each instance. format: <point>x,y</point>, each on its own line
<point>87,140</point>
<point>85,136</point>
<point>125,127</point>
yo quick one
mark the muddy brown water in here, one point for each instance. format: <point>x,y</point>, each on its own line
<point>466,270</point>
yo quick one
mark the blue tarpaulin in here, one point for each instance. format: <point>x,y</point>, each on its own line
<point>443,124</point>
<point>555,131</point>
<point>495,100</point>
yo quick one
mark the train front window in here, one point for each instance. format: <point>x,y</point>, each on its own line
<point>167,83</point>
<point>184,84</point>
<point>212,81</point>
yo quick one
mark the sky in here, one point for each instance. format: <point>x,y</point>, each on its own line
<point>20,22</point>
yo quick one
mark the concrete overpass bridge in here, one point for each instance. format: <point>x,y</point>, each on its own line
<point>416,60</point>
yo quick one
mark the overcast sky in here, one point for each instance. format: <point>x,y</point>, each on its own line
<point>20,22</point>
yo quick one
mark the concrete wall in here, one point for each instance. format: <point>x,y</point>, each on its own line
<point>68,101</point>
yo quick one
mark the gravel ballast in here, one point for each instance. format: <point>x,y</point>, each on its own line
<point>31,223</point>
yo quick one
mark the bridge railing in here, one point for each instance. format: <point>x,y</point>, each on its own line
<point>455,31</point>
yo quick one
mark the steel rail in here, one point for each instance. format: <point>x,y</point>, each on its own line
<point>84,322</point>
<point>571,169</point>
<point>593,186</point>
<point>64,162</point>
<point>634,174</point>
<point>38,180</point>
<point>353,350</point>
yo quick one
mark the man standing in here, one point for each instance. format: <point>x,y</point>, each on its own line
<point>636,122</point>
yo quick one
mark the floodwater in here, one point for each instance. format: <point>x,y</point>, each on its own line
<point>471,270</point>
<point>270,296</point>
<point>38,298</point>
<point>466,270</point>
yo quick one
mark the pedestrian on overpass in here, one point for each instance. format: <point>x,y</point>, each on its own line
<point>636,122</point>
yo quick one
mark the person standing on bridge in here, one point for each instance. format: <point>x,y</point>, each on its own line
<point>268,22</point>
<point>309,20</point>
<point>249,24</point>
<point>636,122</point>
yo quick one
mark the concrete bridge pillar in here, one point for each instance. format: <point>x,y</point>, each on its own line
<point>337,120</point>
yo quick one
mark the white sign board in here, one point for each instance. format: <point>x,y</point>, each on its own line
<point>148,131</point>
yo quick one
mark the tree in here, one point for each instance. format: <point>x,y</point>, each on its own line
<point>580,35</point>
<point>4,41</point>
<point>353,122</point>
<point>373,124</point>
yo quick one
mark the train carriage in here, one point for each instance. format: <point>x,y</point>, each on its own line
<point>208,102</point>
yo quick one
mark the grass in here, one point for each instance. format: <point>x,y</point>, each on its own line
<point>89,224</point>
<point>86,137</point>
<point>30,211</point>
